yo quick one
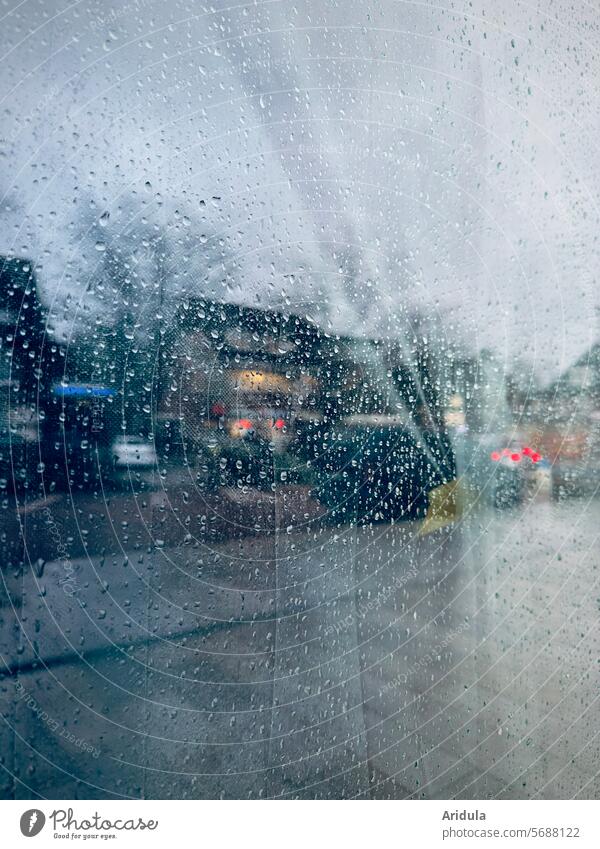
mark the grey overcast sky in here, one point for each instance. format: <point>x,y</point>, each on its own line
<point>359,157</point>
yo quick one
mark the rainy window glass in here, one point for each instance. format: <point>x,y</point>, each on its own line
<point>299,400</point>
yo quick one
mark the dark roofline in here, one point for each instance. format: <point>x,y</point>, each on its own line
<point>16,273</point>
<point>266,317</point>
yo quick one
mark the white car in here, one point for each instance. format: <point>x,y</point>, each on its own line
<point>133,452</point>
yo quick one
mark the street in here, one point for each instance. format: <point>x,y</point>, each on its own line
<point>305,659</point>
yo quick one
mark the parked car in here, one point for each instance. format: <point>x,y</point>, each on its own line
<point>234,455</point>
<point>576,467</point>
<point>246,449</point>
<point>134,452</point>
<point>373,468</point>
<point>506,470</point>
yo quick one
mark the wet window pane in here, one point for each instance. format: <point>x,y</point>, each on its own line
<point>299,400</point>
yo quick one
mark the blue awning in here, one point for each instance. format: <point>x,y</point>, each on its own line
<point>82,390</point>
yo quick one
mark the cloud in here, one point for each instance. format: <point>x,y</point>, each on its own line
<point>365,160</point>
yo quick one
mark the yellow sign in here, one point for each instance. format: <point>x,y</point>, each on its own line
<point>447,504</point>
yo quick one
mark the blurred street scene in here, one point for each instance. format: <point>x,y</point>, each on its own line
<point>299,400</point>
<point>307,566</point>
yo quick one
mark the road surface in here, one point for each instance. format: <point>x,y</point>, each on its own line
<point>314,661</point>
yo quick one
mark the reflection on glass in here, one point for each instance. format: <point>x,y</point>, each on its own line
<point>299,403</point>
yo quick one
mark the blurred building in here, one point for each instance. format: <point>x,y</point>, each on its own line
<point>236,367</point>
<point>571,424</point>
<point>248,397</point>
